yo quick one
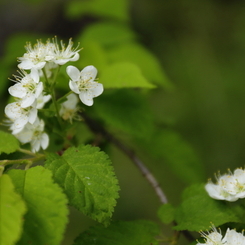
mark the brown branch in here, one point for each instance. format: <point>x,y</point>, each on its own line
<point>98,129</point>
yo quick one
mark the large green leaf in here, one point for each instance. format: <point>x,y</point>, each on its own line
<point>8,143</point>
<point>12,210</point>
<point>103,8</point>
<point>46,218</point>
<point>198,210</point>
<point>107,34</point>
<point>177,153</point>
<point>126,110</point>
<point>149,65</point>
<point>88,179</point>
<point>139,232</point>
<point>124,75</point>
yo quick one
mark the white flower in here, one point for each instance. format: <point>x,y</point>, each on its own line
<point>83,84</point>
<point>229,187</point>
<point>42,100</point>
<point>69,108</point>
<point>35,135</point>
<point>215,238</point>
<point>64,54</point>
<point>20,116</point>
<point>28,88</point>
<point>37,56</point>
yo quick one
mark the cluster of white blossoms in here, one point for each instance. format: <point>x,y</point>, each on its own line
<point>229,187</point>
<point>36,66</point>
<point>232,237</point>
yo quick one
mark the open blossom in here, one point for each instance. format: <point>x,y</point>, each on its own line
<point>69,108</point>
<point>229,187</point>
<point>83,84</point>
<point>28,88</point>
<point>35,135</point>
<point>20,116</point>
<point>40,54</point>
<point>215,237</point>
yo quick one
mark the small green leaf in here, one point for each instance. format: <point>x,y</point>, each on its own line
<point>166,213</point>
<point>46,218</point>
<point>12,210</point>
<point>107,34</point>
<point>100,8</point>
<point>198,211</point>
<point>139,232</point>
<point>126,110</point>
<point>149,65</point>
<point>88,179</point>
<point>124,75</point>
<point>8,143</point>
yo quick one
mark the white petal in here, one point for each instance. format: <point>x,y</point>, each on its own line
<point>44,141</point>
<point>86,98</point>
<point>73,87</point>
<point>35,75</point>
<point>90,72</point>
<point>39,89</point>
<point>97,89</point>
<point>17,90</point>
<point>73,73</point>
<point>26,64</point>
<point>32,115</point>
<point>75,57</point>
<point>27,101</point>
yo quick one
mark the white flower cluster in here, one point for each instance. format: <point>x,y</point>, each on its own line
<point>229,187</point>
<point>38,62</point>
<point>231,237</point>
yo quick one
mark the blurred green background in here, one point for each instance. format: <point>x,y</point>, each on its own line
<point>201,48</point>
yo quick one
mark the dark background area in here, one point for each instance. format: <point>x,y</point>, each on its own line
<point>201,46</point>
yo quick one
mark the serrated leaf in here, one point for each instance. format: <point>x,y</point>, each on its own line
<point>139,232</point>
<point>12,210</point>
<point>46,218</point>
<point>166,213</point>
<point>149,65</point>
<point>103,8</point>
<point>107,34</point>
<point>124,75</point>
<point>126,110</point>
<point>8,143</point>
<point>198,210</point>
<point>88,180</point>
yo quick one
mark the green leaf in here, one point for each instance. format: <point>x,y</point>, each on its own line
<point>139,232</point>
<point>198,210</point>
<point>107,34</point>
<point>126,110</point>
<point>12,210</point>
<point>166,213</point>
<point>123,75</point>
<point>8,143</point>
<point>88,180</point>
<point>144,59</point>
<point>100,8</point>
<point>46,218</point>
<point>178,154</point>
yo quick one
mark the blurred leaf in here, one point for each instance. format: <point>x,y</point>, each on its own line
<point>88,179</point>
<point>107,8</point>
<point>12,210</point>
<point>47,213</point>
<point>8,143</point>
<point>166,213</point>
<point>178,154</point>
<point>198,210</point>
<point>107,34</point>
<point>126,110</point>
<point>139,232</point>
<point>144,59</point>
<point>123,75</point>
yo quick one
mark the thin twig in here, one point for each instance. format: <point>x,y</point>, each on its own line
<point>98,129</point>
